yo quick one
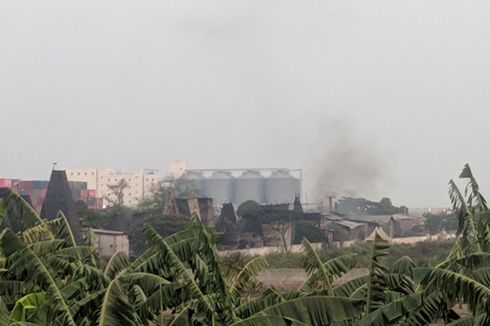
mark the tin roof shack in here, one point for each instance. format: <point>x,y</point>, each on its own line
<point>400,225</point>
<point>348,230</point>
<point>338,229</point>
<point>106,242</point>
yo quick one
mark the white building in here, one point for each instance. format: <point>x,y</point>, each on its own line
<point>106,243</point>
<point>140,183</point>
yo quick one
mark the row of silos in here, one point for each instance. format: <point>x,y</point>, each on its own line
<point>280,187</point>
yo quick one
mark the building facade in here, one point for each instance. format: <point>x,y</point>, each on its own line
<point>139,184</point>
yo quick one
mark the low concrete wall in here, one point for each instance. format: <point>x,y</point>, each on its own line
<point>263,251</point>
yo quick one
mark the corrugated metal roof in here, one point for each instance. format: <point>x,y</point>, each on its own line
<point>351,225</point>
<point>107,232</point>
<point>399,217</point>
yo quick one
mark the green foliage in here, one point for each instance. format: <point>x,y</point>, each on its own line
<point>308,230</point>
<point>155,203</point>
<point>248,209</point>
<point>314,310</point>
<point>435,223</point>
<point>165,225</point>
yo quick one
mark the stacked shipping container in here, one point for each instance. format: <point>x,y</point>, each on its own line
<point>36,190</point>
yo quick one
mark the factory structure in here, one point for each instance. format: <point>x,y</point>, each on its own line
<point>263,185</point>
<point>223,186</point>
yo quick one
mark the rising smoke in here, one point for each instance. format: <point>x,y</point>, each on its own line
<point>342,161</point>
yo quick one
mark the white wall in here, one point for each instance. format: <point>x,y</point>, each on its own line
<point>107,245</point>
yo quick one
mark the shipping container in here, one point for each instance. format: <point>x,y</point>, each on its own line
<point>5,183</point>
<point>76,194</point>
<point>100,203</point>
<point>26,185</point>
<point>92,193</point>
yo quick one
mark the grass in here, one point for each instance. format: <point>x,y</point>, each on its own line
<point>427,253</point>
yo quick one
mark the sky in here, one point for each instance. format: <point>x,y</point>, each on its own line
<point>369,98</point>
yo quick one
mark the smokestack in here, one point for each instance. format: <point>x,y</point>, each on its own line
<point>330,203</point>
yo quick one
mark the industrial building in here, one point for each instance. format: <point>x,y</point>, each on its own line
<point>265,186</point>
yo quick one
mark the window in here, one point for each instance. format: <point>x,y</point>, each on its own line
<point>78,173</point>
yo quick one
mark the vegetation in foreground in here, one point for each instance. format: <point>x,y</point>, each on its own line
<point>46,279</point>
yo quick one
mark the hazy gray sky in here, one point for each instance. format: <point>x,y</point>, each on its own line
<point>133,84</point>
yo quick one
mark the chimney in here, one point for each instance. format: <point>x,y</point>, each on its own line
<point>330,203</point>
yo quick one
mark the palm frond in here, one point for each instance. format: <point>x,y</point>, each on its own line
<point>377,282</point>
<point>24,261</point>
<point>466,221</point>
<point>455,285</point>
<point>391,312</point>
<point>115,309</point>
<point>149,283</point>
<point>118,262</point>
<point>247,277</point>
<point>4,312</point>
<point>314,310</point>
<point>317,271</point>
<point>172,259</point>
<point>268,298</point>
<point>29,302</point>
<point>472,190</point>
<point>348,288</point>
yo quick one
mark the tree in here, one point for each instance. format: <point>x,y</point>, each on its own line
<point>156,201</point>
<point>308,230</point>
<point>116,193</point>
<point>282,223</point>
<point>436,223</point>
<point>249,208</point>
